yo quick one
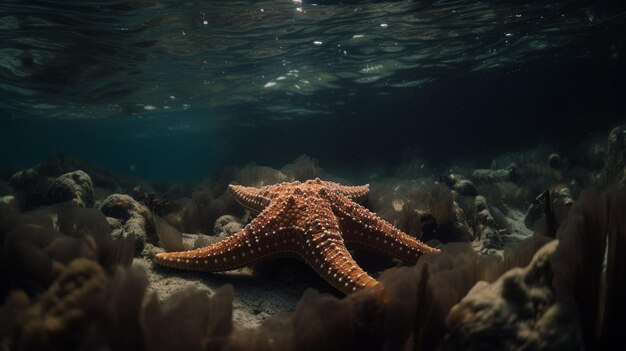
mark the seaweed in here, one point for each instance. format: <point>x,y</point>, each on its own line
<point>580,278</point>
<point>37,245</point>
<point>201,322</point>
<point>302,168</point>
<point>169,237</point>
<point>425,210</point>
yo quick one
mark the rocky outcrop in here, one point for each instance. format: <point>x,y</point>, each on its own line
<point>41,185</point>
<point>128,217</point>
<point>519,311</point>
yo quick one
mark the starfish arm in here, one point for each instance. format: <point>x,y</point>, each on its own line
<point>355,193</point>
<point>364,229</point>
<point>327,254</point>
<point>264,238</point>
<point>249,197</point>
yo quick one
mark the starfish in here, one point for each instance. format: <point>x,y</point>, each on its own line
<point>312,221</point>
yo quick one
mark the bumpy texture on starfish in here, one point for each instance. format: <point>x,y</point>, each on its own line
<point>312,221</point>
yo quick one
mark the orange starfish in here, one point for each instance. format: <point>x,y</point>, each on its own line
<point>312,221</point>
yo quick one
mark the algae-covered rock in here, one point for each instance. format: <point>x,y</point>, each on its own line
<point>129,218</point>
<point>74,186</point>
<point>519,311</point>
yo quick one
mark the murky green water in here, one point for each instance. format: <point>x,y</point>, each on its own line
<point>210,83</point>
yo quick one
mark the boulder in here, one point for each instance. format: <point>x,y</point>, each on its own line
<point>519,311</point>
<point>561,199</point>
<point>10,201</point>
<point>31,186</point>
<point>74,186</point>
<point>556,161</point>
<point>25,178</point>
<point>128,217</point>
<point>465,187</point>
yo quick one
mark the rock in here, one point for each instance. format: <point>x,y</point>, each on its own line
<point>10,201</point>
<point>487,238</point>
<point>561,200</point>
<point>480,203</point>
<point>555,161</point>
<point>31,186</point>
<point>519,311</point>
<point>464,232</point>
<point>493,175</point>
<point>74,186</point>
<point>465,188</point>
<point>616,156</point>
<point>25,178</point>
<point>502,223</point>
<point>128,217</point>
<point>227,225</point>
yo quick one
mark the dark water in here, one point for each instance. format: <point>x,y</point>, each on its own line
<point>165,89</point>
